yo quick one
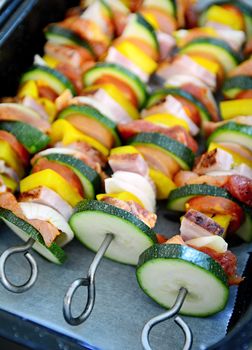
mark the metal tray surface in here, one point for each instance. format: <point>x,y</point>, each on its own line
<point>121,307</point>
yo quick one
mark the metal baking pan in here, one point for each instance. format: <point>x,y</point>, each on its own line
<point>121,308</point>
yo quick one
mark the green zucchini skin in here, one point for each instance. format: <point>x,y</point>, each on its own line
<point>93,220</point>
<point>9,217</point>
<point>182,154</point>
<point>238,133</point>
<point>31,138</point>
<point>177,251</point>
<point>148,27</point>
<point>94,114</point>
<point>245,231</point>
<point>233,85</point>
<point>49,74</point>
<point>236,57</point>
<point>117,70</point>
<point>184,193</point>
<point>80,169</point>
<point>94,205</point>
<point>158,95</point>
<point>216,44</point>
<point>67,35</point>
<point>154,261</point>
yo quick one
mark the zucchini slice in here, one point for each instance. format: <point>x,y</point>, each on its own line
<point>217,47</point>
<point>24,230</point>
<point>180,196</point>
<point>121,73</point>
<point>89,178</point>
<point>163,269</point>
<point>90,112</point>
<point>64,36</point>
<point>93,219</point>
<point>238,133</point>
<point>31,138</point>
<point>245,231</point>
<point>56,80</point>
<point>159,95</point>
<point>246,10</point>
<point>140,28</point>
<point>182,154</point>
<point>234,85</point>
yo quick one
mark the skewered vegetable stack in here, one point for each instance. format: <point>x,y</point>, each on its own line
<point>162,148</point>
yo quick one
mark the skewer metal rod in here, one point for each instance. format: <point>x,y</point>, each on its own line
<point>165,316</point>
<point>88,282</point>
<point>32,262</point>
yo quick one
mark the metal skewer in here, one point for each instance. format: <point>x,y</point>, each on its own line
<point>88,282</point>
<point>32,262</point>
<point>166,316</point>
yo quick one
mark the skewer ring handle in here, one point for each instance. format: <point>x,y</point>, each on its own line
<point>88,282</point>
<point>68,299</point>
<point>33,268</point>
<point>166,316</point>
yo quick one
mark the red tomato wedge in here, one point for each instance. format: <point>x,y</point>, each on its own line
<point>62,170</point>
<point>93,128</point>
<point>159,160</point>
<point>72,54</point>
<point>248,47</point>
<point>160,238</point>
<point>120,21</point>
<point>141,44</point>
<point>245,68</point>
<point>228,262</point>
<point>166,23</point>
<point>47,92</point>
<point>244,94</point>
<point>73,74</point>
<point>240,187</point>
<point>120,85</point>
<point>22,153</point>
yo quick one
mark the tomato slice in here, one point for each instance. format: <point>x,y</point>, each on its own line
<point>74,74</point>
<point>62,170</point>
<point>22,153</point>
<point>47,92</point>
<point>245,68</point>
<point>218,205</point>
<point>241,188</point>
<point>122,86</point>
<point>244,94</point>
<point>93,128</point>
<point>159,160</point>
<point>160,238</point>
<point>141,44</point>
<point>228,262</point>
<point>166,23</point>
<point>248,47</point>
